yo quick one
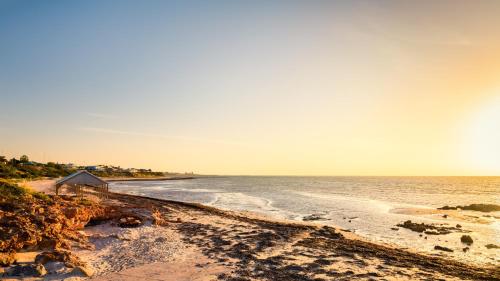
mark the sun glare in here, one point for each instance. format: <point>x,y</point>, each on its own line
<point>482,137</point>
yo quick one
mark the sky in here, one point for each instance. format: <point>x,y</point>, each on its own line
<point>254,87</point>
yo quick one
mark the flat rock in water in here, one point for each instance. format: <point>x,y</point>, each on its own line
<point>492,246</point>
<point>313,217</point>
<point>486,208</point>
<point>441,248</point>
<point>430,229</point>
<point>466,239</point>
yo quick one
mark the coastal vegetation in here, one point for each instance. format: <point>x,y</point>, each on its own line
<point>23,168</point>
<point>11,191</point>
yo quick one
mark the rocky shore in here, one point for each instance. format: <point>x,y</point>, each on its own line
<point>485,208</point>
<point>128,237</point>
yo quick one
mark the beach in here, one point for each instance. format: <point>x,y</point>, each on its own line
<point>189,241</point>
<point>371,207</point>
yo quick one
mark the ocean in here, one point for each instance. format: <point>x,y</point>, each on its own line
<point>371,207</point>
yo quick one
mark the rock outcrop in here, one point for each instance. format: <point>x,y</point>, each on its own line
<point>41,222</point>
<point>429,229</point>
<point>486,208</point>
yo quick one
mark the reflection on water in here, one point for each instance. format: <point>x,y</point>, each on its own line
<point>369,206</point>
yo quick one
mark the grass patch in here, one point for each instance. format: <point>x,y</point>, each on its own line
<point>12,191</point>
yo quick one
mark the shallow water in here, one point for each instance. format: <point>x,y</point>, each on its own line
<point>368,206</point>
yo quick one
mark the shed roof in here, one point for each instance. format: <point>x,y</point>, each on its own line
<point>81,177</point>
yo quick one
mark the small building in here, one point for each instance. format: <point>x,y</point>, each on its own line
<point>83,182</point>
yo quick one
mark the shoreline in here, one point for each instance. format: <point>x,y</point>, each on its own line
<point>318,239</point>
<point>192,241</point>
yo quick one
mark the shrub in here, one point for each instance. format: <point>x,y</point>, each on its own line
<point>12,191</point>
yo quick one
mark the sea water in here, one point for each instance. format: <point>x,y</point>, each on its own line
<point>368,206</point>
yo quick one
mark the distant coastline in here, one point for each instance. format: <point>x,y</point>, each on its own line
<point>114,179</point>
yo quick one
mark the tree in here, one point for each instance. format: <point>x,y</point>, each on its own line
<point>13,161</point>
<point>3,159</point>
<point>24,159</point>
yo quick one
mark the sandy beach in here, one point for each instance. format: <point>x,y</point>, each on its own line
<point>183,241</point>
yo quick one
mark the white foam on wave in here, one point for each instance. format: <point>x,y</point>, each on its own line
<point>244,202</point>
<point>349,202</point>
<point>160,187</point>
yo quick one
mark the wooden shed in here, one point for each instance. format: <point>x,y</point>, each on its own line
<point>83,182</point>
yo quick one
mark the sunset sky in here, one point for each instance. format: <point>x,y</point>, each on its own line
<point>254,87</point>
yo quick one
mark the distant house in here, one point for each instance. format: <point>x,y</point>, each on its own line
<point>91,168</point>
<point>29,163</point>
<point>83,182</point>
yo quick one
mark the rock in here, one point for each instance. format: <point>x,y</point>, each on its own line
<point>440,248</point>
<point>486,208</point>
<point>7,259</point>
<point>395,228</point>
<point>413,226</point>
<point>466,239</point>
<point>466,249</point>
<point>37,270</point>
<point>430,229</point>
<point>313,217</point>
<point>458,226</point>
<point>65,257</point>
<point>445,216</point>
<point>83,270</point>
<point>71,212</point>
<point>492,246</point>
<point>55,267</point>
<point>130,221</point>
